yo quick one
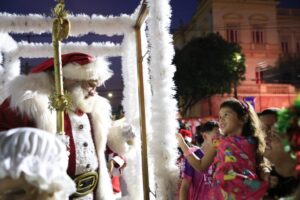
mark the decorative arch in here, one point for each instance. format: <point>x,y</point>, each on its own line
<point>232,17</point>
<point>157,124</point>
<point>258,19</point>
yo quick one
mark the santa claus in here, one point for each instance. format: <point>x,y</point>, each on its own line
<point>87,122</point>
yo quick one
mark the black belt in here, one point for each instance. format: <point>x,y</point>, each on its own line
<point>85,183</point>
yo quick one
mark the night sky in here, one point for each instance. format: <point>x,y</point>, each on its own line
<point>182,11</point>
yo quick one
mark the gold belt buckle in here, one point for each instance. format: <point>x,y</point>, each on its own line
<point>85,183</point>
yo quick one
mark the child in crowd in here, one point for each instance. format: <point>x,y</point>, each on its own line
<point>196,185</point>
<point>33,166</point>
<point>268,118</point>
<point>187,135</point>
<point>237,157</point>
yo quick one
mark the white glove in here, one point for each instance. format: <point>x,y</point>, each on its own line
<point>127,131</point>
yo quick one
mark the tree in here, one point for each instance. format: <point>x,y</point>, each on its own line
<point>207,66</point>
<point>286,70</point>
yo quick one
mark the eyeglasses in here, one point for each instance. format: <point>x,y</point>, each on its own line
<point>89,83</point>
<point>84,83</point>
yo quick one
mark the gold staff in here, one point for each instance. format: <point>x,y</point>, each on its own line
<point>144,150</point>
<point>60,31</point>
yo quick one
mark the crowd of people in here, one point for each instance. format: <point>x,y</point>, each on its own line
<point>245,155</point>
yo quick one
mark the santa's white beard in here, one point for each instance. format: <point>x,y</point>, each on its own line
<point>81,99</point>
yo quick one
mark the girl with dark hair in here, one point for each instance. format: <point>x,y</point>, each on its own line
<point>238,156</point>
<point>196,185</point>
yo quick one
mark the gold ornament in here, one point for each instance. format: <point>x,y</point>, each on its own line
<point>60,102</point>
<point>60,30</point>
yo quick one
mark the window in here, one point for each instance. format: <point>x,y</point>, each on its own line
<point>298,47</point>
<point>232,34</point>
<point>284,47</point>
<point>258,36</point>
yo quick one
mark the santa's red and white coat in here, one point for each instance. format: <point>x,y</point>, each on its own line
<point>27,105</point>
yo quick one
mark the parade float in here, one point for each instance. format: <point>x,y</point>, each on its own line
<point>147,71</point>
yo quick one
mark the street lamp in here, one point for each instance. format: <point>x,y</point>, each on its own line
<point>261,66</point>
<point>237,57</point>
<point>110,95</point>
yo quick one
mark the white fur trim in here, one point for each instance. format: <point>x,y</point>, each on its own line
<point>120,161</point>
<point>29,95</point>
<point>9,66</point>
<point>97,70</point>
<point>116,140</point>
<point>101,122</point>
<point>188,139</point>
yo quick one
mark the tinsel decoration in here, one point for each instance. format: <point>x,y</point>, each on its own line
<point>283,122</point>
<point>288,128</point>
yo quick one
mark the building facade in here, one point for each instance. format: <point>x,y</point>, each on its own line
<point>263,31</point>
<point>288,21</point>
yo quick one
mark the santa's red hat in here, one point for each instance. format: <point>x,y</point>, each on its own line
<point>186,134</point>
<point>79,66</point>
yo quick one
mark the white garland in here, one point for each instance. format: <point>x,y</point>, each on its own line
<point>80,24</point>
<point>7,43</point>
<point>42,50</point>
<point>132,173</point>
<point>164,106</point>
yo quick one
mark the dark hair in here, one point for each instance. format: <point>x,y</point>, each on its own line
<point>252,125</point>
<point>205,127</point>
<point>269,111</point>
<point>183,125</point>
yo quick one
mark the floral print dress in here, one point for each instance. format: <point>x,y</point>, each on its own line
<point>235,175</point>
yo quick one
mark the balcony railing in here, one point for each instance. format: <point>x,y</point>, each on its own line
<point>266,89</point>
